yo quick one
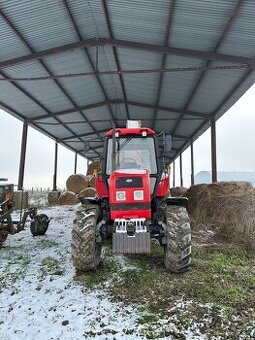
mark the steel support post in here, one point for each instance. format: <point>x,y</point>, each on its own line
<point>213,151</point>
<point>192,163</point>
<point>173,174</point>
<point>55,168</point>
<point>22,156</point>
<point>181,178</point>
<point>75,163</point>
<point>87,164</point>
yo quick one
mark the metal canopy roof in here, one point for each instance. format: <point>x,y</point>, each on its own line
<point>75,68</point>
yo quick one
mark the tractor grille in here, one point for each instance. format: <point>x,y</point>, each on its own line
<point>130,206</point>
<point>129,182</point>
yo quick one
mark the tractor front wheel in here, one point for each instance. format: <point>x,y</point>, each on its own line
<point>86,252</point>
<point>177,255</point>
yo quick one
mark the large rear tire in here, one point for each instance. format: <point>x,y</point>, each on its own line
<point>86,252</point>
<point>177,257</point>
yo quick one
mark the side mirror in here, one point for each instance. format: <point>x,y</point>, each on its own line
<point>167,143</point>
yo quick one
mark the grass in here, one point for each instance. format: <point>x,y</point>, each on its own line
<point>220,284</point>
<point>219,277</point>
<point>51,266</point>
<point>15,268</point>
<point>47,243</point>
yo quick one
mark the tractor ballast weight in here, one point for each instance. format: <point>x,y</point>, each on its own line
<point>133,203</point>
<point>39,222</point>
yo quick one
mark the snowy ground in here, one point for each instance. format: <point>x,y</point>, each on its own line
<point>40,297</point>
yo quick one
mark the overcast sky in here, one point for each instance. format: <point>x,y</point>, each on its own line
<point>235,148</point>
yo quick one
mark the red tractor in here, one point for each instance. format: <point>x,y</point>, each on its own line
<point>133,203</point>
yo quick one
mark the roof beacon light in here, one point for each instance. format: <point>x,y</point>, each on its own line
<point>144,133</point>
<point>133,124</point>
<point>117,134</point>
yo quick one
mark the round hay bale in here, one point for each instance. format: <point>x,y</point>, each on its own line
<point>76,183</point>
<point>218,205</point>
<point>192,195</point>
<point>88,192</point>
<point>68,198</point>
<point>178,191</point>
<point>94,167</point>
<point>235,219</point>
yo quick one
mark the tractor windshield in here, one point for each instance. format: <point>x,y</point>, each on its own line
<point>132,153</point>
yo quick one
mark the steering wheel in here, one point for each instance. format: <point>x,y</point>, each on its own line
<point>130,161</point>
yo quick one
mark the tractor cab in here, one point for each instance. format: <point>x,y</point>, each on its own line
<point>129,150</point>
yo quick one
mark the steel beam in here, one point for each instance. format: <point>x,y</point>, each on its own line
<point>115,54</point>
<point>14,29</point>
<point>121,101</point>
<point>192,163</point>
<point>181,177</point>
<point>214,115</point>
<point>95,70</point>
<point>213,151</point>
<point>133,71</point>
<point>180,137</point>
<point>22,156</point>
<point>202,74</point>
<point>55,168</point>
<point>163,59</point>
<point>93,42</point>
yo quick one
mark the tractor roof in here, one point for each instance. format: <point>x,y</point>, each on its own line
<point>131,131</point>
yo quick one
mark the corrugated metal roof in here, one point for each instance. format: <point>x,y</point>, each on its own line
<point>104,61</point>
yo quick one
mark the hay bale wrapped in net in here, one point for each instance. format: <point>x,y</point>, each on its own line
<point>215,194</point>
<point>88,192</point>
<point>68,198</point>
<point>178,191</point>
<point>228,207</point>
<point>235,218</point>
<point>76,183</point>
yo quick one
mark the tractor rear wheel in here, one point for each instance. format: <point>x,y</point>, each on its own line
<point>86,252</point>
<point>177,257</point>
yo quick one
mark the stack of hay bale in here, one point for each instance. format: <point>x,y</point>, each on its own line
<point>80,185</point>
<point>77,185</point>
<point>228,207</point>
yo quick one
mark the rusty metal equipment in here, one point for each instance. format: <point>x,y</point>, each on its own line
<point>39,222</point>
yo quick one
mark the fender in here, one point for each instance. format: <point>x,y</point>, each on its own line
<point>91,200</point>
<point>180,201</point>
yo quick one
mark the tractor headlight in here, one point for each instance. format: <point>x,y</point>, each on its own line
<point>120,195</point>
<point>138,195</point>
